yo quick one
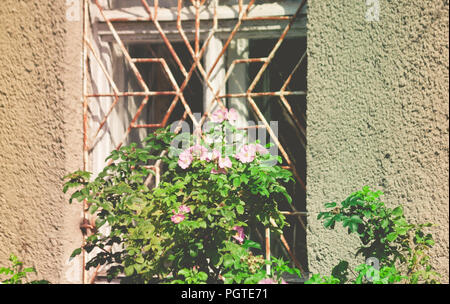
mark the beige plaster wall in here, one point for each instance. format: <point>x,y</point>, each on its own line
<point>40,135</point>
<point>378,116</point>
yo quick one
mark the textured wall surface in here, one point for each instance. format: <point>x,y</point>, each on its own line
<point>39,142</point>
<point>378,116</point>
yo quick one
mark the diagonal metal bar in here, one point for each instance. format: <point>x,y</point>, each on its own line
<point>163,36</point>
<point>276,47</point>
<point>242,15</point>
<point>111,83</point>
<point>197,56</point>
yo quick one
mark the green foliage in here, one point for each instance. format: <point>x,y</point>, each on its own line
<point>144,240</point>
<point>385,275</point>
<point>191,276</point>
<point>240,265</point>
<point>17,273</point>
<point>318,279</point>
<point>399,246</point>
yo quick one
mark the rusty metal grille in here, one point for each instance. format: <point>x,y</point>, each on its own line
<point>196,47</point>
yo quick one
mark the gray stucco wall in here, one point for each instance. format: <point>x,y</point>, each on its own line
<point>40,135</point>
<point>377,115</point>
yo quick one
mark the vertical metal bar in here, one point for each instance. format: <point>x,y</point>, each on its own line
<point>268,250</point>
<point>111,83</point>
<point>85,128</point>
<point>197,27</point>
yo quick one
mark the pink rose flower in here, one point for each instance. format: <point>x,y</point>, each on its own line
<point>232,116</point>
<point>271,281</point>
<point>184,209</point>
<point>260,149</point>
<point>177,218</point>
<point>224,162</point>
<point>185,159</point>
<point>267,281</point>
<point>215,154</point>
<point>199,151</point>
<point>219,115</point>
<point>246,154</point>
<point>240,236</point>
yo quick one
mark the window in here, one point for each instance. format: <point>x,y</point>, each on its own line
<point>149,64</point>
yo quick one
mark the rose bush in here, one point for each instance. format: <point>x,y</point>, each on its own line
<point>192,227</point>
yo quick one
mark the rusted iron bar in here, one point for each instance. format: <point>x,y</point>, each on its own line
<point>283,152</point>
<point>289,78</point>
<point>260,94</point>
<point>288,108</point>
<point>111,83</point>
<point>267,18</point>
<point>197,56</point>
<point>197,28</point>
<point>252,127</point>
<point>124,94</point>
<point>276,47</point>
<point>147,126</point>
<point>275,138</point>
<point>268,250</point>
<point>164,37</point>
<point>222,85</point>
<point>242,15</point>
<point>288,249</point>
<point>294,213</point>
<point>85,129</point>
<point>133,67</point>
<point>127,56</point>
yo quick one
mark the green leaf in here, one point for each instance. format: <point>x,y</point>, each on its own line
<point>251,244</point>
<point>329,223</point>
<point>240,209</point>
<point>392,236</point>
<point>228,261</point>
<point>29,269</point>
<point>202,276</point>
<point>193,253</point>
<point>353,227</point>
<point>330,205</point>
<point>356,219</point>
<point>397,211</point>
<point>402,230</point>
<point>430,242</point>
<point>236,182</point>
<point>184,272</point>
<point>75,253</point>
<point>129,270</point>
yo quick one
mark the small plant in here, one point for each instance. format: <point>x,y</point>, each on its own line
<point>399,247</point>
<point>17,273</point>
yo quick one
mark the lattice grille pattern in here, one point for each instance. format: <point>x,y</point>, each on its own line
<point>196,48</point>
